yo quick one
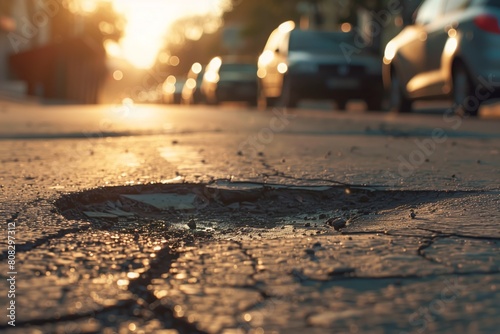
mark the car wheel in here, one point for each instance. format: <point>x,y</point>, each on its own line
<point>213,102</point>
<point>398,101</point>
<point>253,102</point>
<point>211,98</point>
<point>264,102</point>
<point>341,104</point>
<point>463,90</point>
<point>374,103</point>
<point>197,97</point>
<point>288,98</point>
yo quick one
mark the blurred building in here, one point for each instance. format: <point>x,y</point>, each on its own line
<point>8,24</point>
<point>44,52</point>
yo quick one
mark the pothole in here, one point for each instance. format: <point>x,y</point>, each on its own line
<point>155,241</point>
<point>225,209</point>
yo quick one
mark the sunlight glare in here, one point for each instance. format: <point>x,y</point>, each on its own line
<point>149,21</point>
<point>112,48</point>
<point>164,57</point>
<point>196,68</point>
<point>88,5</point>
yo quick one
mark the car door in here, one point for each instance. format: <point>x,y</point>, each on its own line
<point>422,52</point>
<point>438,33</point>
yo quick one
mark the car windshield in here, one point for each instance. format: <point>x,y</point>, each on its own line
<point>318,41</point>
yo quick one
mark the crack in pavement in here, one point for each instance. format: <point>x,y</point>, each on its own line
<point>149,306</point>
<point>278,173</point>
<point>27,246</point>
<point>24,246</point>
<point>70,317</point>
<point>13,217</point>
<point>458,235</point>
<point>164,260</point>
<point>143,304</point>
<point>304,279</point>
<point>426,243</point>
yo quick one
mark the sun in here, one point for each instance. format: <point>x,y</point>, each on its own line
<point>149,21</point>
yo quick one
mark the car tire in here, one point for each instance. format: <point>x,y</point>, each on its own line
<point>211,98</point>
<point>288,98</point>
<point>374,103</point>
<point>263,102</point>
<point>463,88</point>
<point>341,104</point>
<point>253,102</point>
<point>399,103</point>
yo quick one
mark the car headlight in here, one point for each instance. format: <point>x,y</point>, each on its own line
<point>390,51</point>
<point>305,68</point>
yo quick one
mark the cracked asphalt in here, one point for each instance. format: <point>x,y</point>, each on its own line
<point>304,222</point>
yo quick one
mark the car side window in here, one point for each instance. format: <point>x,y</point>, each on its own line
<point>430,10</point>
<point>454,5</point>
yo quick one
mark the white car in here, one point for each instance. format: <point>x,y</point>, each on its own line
<point>310,64</point>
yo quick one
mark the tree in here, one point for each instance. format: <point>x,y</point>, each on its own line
<point>100,24</point>
<point>258,18</point>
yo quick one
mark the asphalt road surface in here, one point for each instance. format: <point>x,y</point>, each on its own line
<point>171,219</point>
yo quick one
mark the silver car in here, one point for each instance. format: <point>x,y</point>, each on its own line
<point>452,50</point>
<point>311,64</point>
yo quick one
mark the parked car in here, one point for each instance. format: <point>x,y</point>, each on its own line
<point>191,92</point>
<point>172,90</point>
<point>309,64</point>
<point>228,79</point>
<point>451,50</point>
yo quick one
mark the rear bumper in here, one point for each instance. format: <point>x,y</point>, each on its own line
<point>335,86</point>
<point>237,91</point>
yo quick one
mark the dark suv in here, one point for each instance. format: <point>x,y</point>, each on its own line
<point>307,64</point>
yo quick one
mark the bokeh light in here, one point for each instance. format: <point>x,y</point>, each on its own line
<point>174,61</point>
<point>346,27</point>
<point>117,75</point>
<point>196,68</point>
